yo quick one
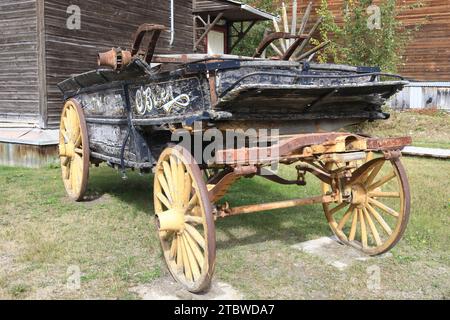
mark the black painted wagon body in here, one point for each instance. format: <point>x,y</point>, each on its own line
<point>126,116</point>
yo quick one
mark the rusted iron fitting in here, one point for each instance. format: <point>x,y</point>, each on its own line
<point>301,174</point>
<point>246,170</point>
<point>115,58</point>
<point>392,155</point>
<point>222,211</point>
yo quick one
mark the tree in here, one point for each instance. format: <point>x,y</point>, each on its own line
<point>358,40</point>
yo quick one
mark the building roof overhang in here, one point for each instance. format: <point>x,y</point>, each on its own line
<point>232,11</point>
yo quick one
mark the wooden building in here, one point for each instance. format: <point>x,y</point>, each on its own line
<point>43,42</point>
<point>38,49</point>
<point>427,57</point>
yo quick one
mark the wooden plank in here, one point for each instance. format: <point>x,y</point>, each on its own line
<point>19,98</point>
<point>42,65</point>
<point>427,57</point>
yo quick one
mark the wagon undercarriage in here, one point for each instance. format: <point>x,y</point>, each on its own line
<point>358,175</point>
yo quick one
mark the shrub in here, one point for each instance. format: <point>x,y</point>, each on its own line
<point>354,43</point>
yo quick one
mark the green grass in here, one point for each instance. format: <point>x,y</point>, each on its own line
<point>111,238</point>
<point>429,129</point>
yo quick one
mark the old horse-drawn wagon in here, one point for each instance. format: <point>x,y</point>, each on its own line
<point>128,113</point>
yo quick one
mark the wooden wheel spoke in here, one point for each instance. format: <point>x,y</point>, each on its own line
<point>73,173</point>
<point>181,184</point>
<point>193,202</point>
<point>164,200</point>
<point>79,161</point>
<point>383,207</point>
<point>64,161</point>
<point>70,122</point>
<point>65,135</point>
<point>382,181</point>
<point>373,228</point>
<point>376,170</point>
<point>66,127</point>
<point>380,194</point>
<point>75,135</point>
<point>170,182</point>
<point>338,208</point>
<point>174,173</point>
<point>187,190</point>
<point>186,263</point>
<point>165,186</point>
<point>363,229</point>
<point>380,219</point>
<point>193,219</point>
<point>196,235</point>
<point>174,247</point>
<point>179,255</point>
<point>78,141</point>
<point>66,170</point>
<point>369,156</point>
<point>354,226</point>
<point>345,218</point>
<point>195,249</point>
<point>191,258</point>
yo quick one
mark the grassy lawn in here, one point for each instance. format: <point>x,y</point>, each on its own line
<point>429,128</point>
<point>111,239</point>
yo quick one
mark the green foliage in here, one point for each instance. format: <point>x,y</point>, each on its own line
<point>251,41</point>
<point>354,43</point>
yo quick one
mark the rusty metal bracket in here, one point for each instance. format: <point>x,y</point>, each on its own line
<point>224,180</point>
<point>379,144</point>
<point>155,32</point>
<point>116,59</point>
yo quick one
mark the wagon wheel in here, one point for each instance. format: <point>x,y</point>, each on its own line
<point>184,219</point>
<point>378,213</point>
<point>74,150</point>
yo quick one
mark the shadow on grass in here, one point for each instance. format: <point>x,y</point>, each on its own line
<point>287,225</point>
<point>136,190</point>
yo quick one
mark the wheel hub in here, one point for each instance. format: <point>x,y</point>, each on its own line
<point>171,220</point>
<point>359,195</point>
<point>67,150</point>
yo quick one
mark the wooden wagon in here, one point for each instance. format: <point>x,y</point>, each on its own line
<point>128,114</point>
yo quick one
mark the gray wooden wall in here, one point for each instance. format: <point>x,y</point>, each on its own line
<point>19,94</point>
<point>104,24</point>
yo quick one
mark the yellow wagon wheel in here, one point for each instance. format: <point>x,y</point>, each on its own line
<point>74,150</point>
<point>377,214</point>
<point>184,219</point>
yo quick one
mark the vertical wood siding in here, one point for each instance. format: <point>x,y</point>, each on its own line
<point>19,94</point>
<point>104,24</point>
<point>427,57</point>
